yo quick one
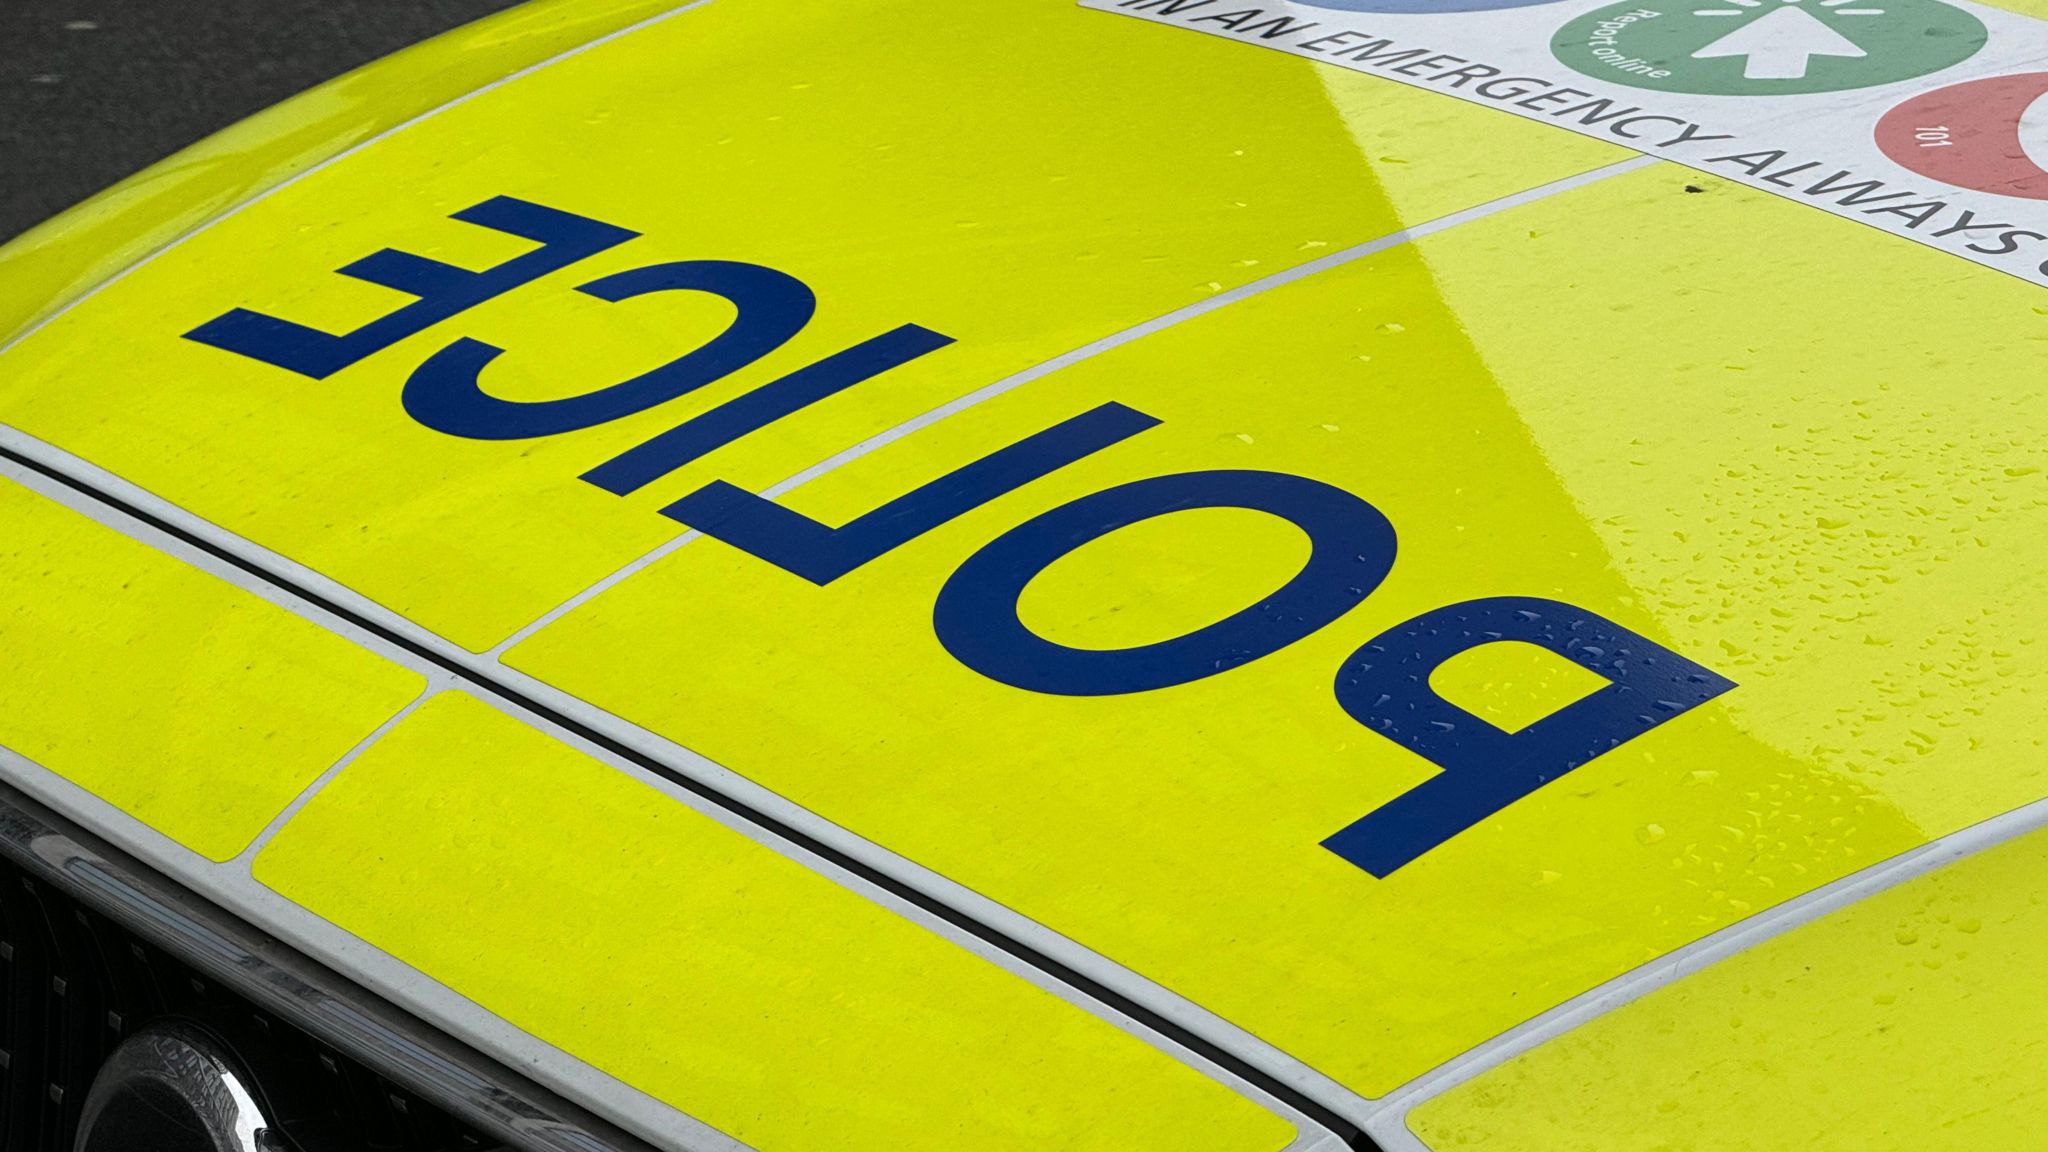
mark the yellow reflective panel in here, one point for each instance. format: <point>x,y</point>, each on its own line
<point>1512,684</point>
<point>1915,1019</point>
<point>1817,487</point>
<point>1022,178</point>
<point>603,917</point>
<point>185,702</point>
<point>1793,473</point>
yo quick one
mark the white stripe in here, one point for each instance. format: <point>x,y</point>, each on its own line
<point>437,683</point>
<point>439,1007</point>
<point>1389,1125</point>
<point>1159,323</point>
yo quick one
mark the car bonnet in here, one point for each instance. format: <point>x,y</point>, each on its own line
<point>1348,561</point>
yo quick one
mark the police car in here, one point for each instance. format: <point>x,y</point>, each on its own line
<point>1196,575</point>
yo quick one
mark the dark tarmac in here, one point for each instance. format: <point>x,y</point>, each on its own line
<point>93,90</point>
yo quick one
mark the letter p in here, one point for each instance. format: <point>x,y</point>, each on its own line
<point>1384,685</point>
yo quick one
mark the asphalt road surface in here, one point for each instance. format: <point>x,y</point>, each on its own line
<point>92,90</point>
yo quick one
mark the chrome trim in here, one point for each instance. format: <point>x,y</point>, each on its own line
<point>492,1099</point>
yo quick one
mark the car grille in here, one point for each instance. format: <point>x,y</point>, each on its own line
<point>76,984</point>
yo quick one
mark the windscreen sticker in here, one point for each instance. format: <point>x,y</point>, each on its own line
<point>1915,116</point>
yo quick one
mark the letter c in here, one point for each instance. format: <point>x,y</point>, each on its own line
<point>444,393</point>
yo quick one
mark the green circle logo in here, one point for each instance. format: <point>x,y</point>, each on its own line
<point>1768,47</point>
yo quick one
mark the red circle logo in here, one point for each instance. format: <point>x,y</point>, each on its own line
<point>1972,135</point>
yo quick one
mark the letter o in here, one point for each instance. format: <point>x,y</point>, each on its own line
<point>1351,548</point>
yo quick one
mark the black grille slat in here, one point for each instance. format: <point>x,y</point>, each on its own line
<point>77,1037</point>
<point>30,1119</point>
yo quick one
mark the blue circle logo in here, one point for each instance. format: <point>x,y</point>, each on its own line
<point>1421,7</point>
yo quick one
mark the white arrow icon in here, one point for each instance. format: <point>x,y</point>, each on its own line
<point>1779,45</point>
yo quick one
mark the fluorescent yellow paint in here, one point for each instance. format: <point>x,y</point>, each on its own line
<point>732,982</point>
<point>1511,685</point>
<point>1025,177</point>
<point>1784,445</point>
<point>1822,482</point>
<point>1158,580</point>
<point>191,705</point>
<point>50,265</point>
<point>1833,487</point>
<point>2038,9</point>
<point>1915,1019</point>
